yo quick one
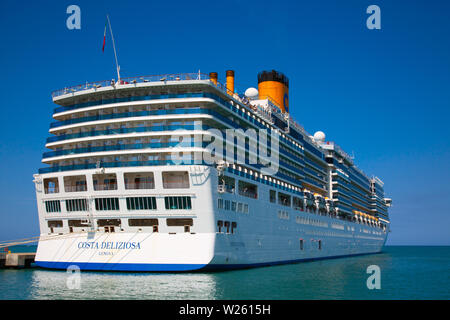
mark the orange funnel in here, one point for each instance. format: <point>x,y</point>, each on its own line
<point>230,81</point>
<point>274,85</point>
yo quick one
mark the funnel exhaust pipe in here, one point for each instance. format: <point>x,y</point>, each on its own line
<point>230,81</point>
<point>213,77</point>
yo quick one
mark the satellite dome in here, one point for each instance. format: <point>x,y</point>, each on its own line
<point>319,136</point>
<point>251,93</point>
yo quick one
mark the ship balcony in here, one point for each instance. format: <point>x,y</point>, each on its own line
<point>75,183</point>
<point>139,180</point>
<point>119,147</point>
<point>105,182</point>
<point>51,185</point>
<point>132,109</point>
<point>125,116</point>
<point>226,184</point>
<point>114,164</point>
<point>121,131</point>
<point>247,189</point>
<point>106,104</point>
<point>175,180</point>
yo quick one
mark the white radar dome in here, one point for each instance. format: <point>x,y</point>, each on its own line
<point>319,136</point>
<point>251,93</point>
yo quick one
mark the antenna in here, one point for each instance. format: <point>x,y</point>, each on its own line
<point>115,54</point>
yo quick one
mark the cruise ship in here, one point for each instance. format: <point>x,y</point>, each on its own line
<point>179,172</point>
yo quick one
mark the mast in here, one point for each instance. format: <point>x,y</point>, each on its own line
<point>115,53</point>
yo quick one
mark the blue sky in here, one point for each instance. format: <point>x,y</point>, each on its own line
<point>382,94</point>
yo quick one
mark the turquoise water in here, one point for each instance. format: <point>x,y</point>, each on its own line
<point>406,273</point>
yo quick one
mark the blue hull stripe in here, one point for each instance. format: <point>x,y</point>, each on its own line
<point>120,266</point>
<point>174,267</point>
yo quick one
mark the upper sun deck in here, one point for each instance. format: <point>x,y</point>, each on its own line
<point>59,96</point>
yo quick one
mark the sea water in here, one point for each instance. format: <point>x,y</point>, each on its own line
<point>405,272</point>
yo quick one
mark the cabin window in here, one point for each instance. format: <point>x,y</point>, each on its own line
<point>220,203</point>
<point>76,205</point>
<point>179,222</point>
<point>108,222</point>
<point>53,206</point>
<point>219,225</point>
<point>233,206</point>
<point>233,226</point>
<point>175,180</point>
<point>301,244</point>
<point>227,225</point>
<point>141,203</point>
<point>104,182</point>
<point>105,204</point>
<point>139,180</point>
<point>228,183</point>
<point>248,190</point>
<point>245,208</point>
<point>55,223</point>
<point>284,199</point>
<point>298,203</point>
<point>320,244</point>
<point>51,185</point>
<point>283,214</point>
<point>142,222</point>
<point>240,207</point>
<point>76,223</point>
<point>75,184</point>
<point>178,203</point>
<point>227,204</point>
<point>273,196</point>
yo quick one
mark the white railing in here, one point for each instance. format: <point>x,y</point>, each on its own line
<point>103,187</point>
<point>131,80</point>
<point>75,188</point>
<point>140,185</point>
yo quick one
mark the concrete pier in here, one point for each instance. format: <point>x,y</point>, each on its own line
<point>16,260</point>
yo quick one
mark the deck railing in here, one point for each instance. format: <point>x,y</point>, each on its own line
<point>51,190</point>
<point>136,186</point>
<point>105,186</point>
<point>72,188</point>
<point>131,80</point>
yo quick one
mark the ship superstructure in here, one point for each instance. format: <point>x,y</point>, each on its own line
<point>133,184</point>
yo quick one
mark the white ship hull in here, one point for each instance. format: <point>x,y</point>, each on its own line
<point>187,252</point>
<point>261,237</point>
